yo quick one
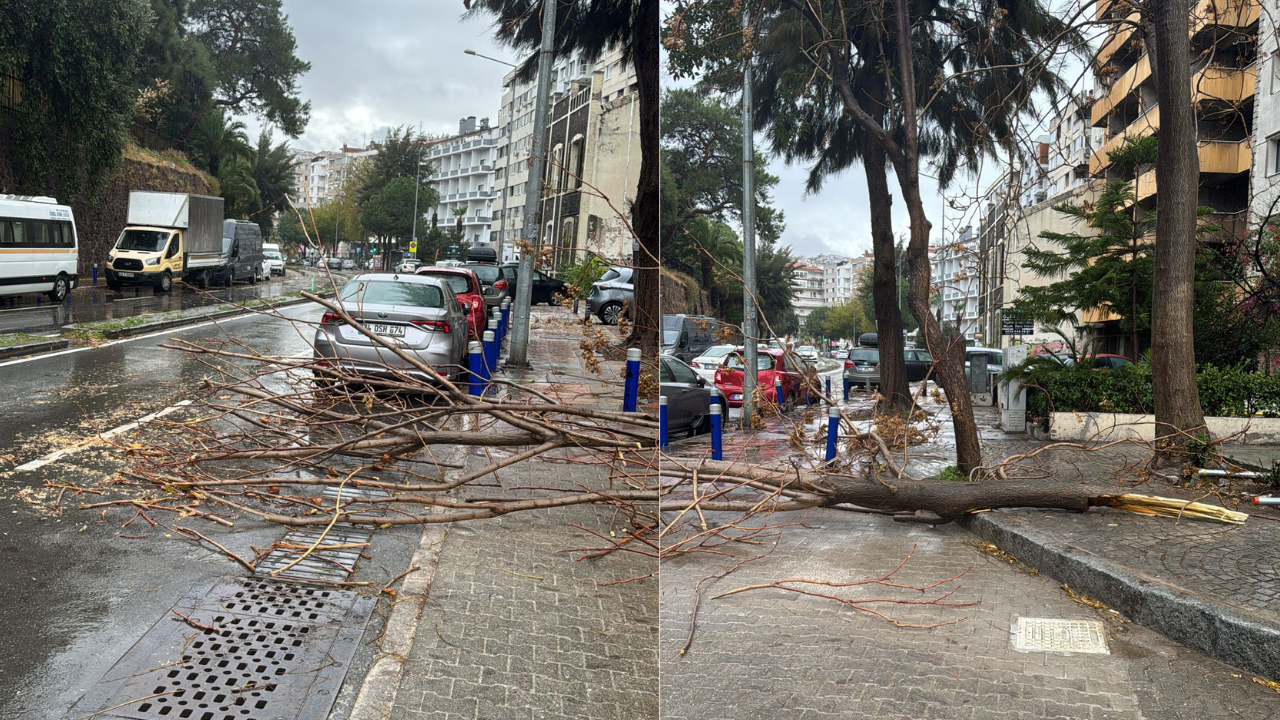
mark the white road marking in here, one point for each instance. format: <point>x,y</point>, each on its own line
<point>59,454</point>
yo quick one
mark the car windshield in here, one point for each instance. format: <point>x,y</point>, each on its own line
<point>271,255</point>
<point>865,355</point>
<point>459,283</point>
<point>488,274</point>
<point>737,362</point>
<point>144,240</point>
<point>389,292</point>
<point>806,348</point>
<point>669,337</point>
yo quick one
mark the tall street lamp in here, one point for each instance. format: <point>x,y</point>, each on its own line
<point>506,167</point>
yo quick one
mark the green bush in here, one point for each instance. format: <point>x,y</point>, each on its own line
<point>1078,388</point>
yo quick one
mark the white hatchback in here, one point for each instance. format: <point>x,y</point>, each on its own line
<point>709,361</point>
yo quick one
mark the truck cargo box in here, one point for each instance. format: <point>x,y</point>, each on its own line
<point>200,216</point>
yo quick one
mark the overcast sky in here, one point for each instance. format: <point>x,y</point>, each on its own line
<point>384,63</point>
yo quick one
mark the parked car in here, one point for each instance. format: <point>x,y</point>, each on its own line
<point>709,361</point>
<point>688,336</point>
<point>807,352</point>
<point>332,263</point>
<point>494,281</point>
<point>348,264</point>
<point>408,266</point>
<point>839,354</point>
<point>545,288</point>
<point>466,287</point>
<point>688,398</point>
<point>421,314</point>
<point>863,365</point>
<point>612,295</point>
<point>771,364</point>
<point>995,361</point>
<point>272,262</point>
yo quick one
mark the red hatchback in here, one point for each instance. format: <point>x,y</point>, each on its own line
<point>772,363</point>
<point>466,286</point>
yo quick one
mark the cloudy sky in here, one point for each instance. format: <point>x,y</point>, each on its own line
<point>384,63</point>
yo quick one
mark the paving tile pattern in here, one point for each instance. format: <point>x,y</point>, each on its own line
<point>769,654</point>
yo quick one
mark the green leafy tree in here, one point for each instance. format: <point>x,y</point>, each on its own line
<point>389,217</point>
<point>273,174</point>
<point>217,139</point>
<point>397,157</point>
<point>177,74</point>
<point>77,63</point>
<point>817,323</point>
<point>255,65</point>
<point>235,177</point>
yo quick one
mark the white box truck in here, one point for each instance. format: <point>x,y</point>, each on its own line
<point>169,236</point>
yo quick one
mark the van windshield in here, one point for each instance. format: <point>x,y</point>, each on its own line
<point>144,240</point>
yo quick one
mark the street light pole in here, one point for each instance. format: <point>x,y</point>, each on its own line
<point>506,168</point>
<point>416,185</point>
<point>518,351</point>
<point>750,377</point>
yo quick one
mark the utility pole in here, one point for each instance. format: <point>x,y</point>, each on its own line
<point>518,351</point>
<point>417,184</point>
<point>750,375</point>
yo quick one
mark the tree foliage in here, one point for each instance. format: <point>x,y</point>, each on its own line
<point>77,64</point>
<point>397,157</point>
<point>388,214</point>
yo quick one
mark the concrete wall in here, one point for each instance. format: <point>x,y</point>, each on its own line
<point>1104,427</point>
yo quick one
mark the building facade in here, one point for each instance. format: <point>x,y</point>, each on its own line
<point>954,276</point>
<point>320,176</point>
<point>463,176</point>
<point>808,283</point>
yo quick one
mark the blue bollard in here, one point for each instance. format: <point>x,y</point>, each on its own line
<point>495,324</point>
<point>808,395</point>
<point>490,353</point>
<point>631,382</point>
<point>476,366</point>
<point>505,310</point>
<point>833,432</point>
<point>717,432</point>
<point>95,273</point>
<point>777,391</point>
<point>846,388</point>
<point>828,389</point>
<point>497,340</point>
<point>717,398</point>
<point>662,422</point>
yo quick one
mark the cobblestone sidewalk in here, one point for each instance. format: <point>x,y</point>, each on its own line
<point>514,626</point>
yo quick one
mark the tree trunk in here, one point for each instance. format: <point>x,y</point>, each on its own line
<point>1173,365</point>
<point>947,352</point>
<point>884,286</point>
<point>644,212</point>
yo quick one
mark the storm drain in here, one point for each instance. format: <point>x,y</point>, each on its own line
<point>250,649</point>
<point>357,499</point>
<point>1071,636</point>
<point>337,557</point>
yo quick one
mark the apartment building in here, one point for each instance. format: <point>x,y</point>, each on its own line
<point>1074,140</point>
<point>320,176</point>
<point>841,276</point>
<point>463,176</point>
<point>1033,171</point>
<point>808,283</point>
<point>1265,172</point>
<point>954,276</point>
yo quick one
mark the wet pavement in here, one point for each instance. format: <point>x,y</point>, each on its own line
<point>37,315</point>
<point>78,593</point>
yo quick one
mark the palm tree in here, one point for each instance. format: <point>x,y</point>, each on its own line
<point>718,245</point>
<point>218,138</point>
<point>273,174</point>
<point>238,187</point>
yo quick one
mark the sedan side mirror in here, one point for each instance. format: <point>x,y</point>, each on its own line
<point>702,382</point>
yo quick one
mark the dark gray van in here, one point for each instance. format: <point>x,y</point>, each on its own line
<point>241,251</point>
<point>688,336</point>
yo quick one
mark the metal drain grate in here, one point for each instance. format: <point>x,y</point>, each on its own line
<point>269,651</point>
<point>334,564</point>
<point>1071,636</point>
<point>357,499</point>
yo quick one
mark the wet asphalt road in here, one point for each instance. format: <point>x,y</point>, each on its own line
<point>74,595</point>
<point>36,315</point>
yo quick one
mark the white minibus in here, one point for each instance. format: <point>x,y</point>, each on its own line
<point>39,252</point>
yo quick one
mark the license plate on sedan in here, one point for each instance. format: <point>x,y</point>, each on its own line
<point>388,330</point>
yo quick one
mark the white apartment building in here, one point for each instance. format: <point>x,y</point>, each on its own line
<point>841,277</point>
<point>463,176</point>
<point>319,176</point>
<point>1033,171</point>
<point>808,283</point>
<point>1074,140</point>
<point>1264,205</point>
<point>954,277</point>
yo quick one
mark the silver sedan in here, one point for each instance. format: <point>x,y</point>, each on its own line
<point>418,313</point>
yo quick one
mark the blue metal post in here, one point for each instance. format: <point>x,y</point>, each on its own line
<point>497,340</point>
<point>833,432</point>
<point>95,273</point>
<point>475,364</point>
<point>631,383</point>
<point>828,387</point>
<point>490,352</point>
<point>495,322</point>
<point>505,310</point>
<point>662,422</point>
<point>717,432</point>
<point>777,390</point>
<point>846,388</point>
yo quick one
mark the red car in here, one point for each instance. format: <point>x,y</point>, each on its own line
<point>773,363</point>
<point>466,286</point>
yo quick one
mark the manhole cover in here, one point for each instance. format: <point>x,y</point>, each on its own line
<point>266,651</point>
<point>344,543</point>
<point>1048,635</point>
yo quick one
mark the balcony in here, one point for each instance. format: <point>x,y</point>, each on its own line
<point>1121,88</point>
<point>1228,14</point>
<point>1217,157</point>
<point>1146,124</point>
<point>1117,40</point>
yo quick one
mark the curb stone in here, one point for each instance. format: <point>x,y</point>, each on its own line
<point>116,334</point>
<point>1234,636</point>
<point>33,348</point>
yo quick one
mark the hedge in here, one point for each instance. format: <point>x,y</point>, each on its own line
<point>1223,392</point>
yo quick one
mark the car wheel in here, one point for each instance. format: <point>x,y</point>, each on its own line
<point>61,286</point>
<point>609,313</point>
<point>202,280</point>
<point>166,283</point>
<point>553,301</point>
<point>254,280</point>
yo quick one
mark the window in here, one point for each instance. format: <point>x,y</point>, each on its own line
<point>1275,73</point>
<point>576,160</point>
<point>555,166</point>
<point>1273,155</point>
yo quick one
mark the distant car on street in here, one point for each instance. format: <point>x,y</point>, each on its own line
<point>863,366</point>
<point>612,295</point>
<point>771,364</point>
<point>348,264</point>
<point>710,360</point>
<point>408,266</point>
<point>808,352</point>
<point>546,289</point>
<point>495,281</point>
<point>839,354</point>
<point>688,398</point>
<point>419,314</point>
<point>272,262</point>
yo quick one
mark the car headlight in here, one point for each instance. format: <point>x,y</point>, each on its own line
<point>152,262</point>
